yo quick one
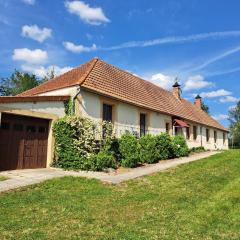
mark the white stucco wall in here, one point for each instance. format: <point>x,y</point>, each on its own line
<point>126,117</point>
<point>52,107</point>
<point>202,138</point>
<point>69,91</point>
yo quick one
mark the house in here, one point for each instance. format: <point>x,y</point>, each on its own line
<point>99,91</point>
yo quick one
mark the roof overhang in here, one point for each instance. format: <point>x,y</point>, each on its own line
<point>180,123</point>
<point>15,99</point>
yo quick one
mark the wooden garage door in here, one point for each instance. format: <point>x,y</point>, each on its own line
<point>23,142</point>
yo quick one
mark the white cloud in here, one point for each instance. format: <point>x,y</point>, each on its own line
<point>169,40</point>
<point>41,71</point>
<point>175,39</point>
<point>228,99</point>
<point>217,93</point>
<point>36,33</point>
<point>36,56</point>
<point>78,48</point>
<point>30,2</point>
<point>220,117</point>
<point>162,80</point>
<point>217,58</point>
<point>196,82</point>
<point>91,15</point>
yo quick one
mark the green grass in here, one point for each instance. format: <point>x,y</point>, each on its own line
<point>199,200</point>
<point>2,178</point>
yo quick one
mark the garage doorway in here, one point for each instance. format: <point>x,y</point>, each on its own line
<point>23,142</point>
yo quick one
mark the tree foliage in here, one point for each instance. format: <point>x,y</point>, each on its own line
<point>49,75</point>
<point>205,107</point>
<point>17,83</point>
<point>234,118</point>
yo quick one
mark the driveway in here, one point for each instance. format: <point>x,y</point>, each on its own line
<point>20,178</point>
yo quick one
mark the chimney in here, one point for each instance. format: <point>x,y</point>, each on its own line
<point>198,102</point>
<point>176,90</point>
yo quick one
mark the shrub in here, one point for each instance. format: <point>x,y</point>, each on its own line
<point>147,149</point>
<point>197,149</point>
<point>129,150</point>
<point>100,161</point>
<point>180,146</point>
<point>164,146</point>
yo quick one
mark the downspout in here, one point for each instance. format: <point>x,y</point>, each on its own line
<point>201,135</point>
<point>74,99</point>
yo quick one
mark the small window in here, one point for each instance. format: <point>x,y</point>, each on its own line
<point>142,124</point>
<point>215,136</point>
<point>167,128</point>
<point>195,132</point>
<point>107,112</point>
<point>31,129</point>
<point>207,135</point>
<point>18,127</point>
<point>42,129</point>
<point>5,126</point>
<point>188,132</point>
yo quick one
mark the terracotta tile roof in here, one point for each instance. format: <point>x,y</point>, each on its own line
<point>103,78</point>
<point>71,78</point>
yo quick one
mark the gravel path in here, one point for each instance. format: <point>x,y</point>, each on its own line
<point>20,178</point>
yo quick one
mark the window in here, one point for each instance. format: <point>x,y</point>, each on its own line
<point>5,126</point>
<point>195,132</point>
<point>224,138</point>
<point>215,136</point>
<point>207,135</point>
<point>167,128</point>
<point>18,127</point>
<point>188,132</point>
<point>142,124</point>
<point>107,112</point>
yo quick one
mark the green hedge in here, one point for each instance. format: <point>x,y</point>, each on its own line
<point>180,148</point>
<point>77,147</point>
<point>129,150</point>
<point>147,149</point>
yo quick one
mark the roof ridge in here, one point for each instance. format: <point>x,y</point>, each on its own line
<point>83,78</point>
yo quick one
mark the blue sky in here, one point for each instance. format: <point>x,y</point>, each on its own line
<point>197,41</point>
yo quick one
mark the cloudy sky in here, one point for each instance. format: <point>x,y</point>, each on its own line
<point>196,41</point>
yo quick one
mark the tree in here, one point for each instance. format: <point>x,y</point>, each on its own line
<point>234,118</point>
<point>17,83</point>
<point>205,108</point>
<point>49,75</point>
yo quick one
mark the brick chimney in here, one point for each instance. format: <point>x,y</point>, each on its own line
<point>198,102</point>
<point>176,90</point>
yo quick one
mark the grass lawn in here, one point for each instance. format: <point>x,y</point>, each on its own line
<point>2,178</point>
<point>199,200</point>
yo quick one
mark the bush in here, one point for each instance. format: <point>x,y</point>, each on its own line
<point>76,145</point>
<point>129,150</point>
<point>100,161</point>
<point>147,149</point>
<point>164,146</point>
<point>180,146</point>
<point>197,149</point>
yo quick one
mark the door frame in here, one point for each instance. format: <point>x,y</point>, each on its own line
<point>43,115</point>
